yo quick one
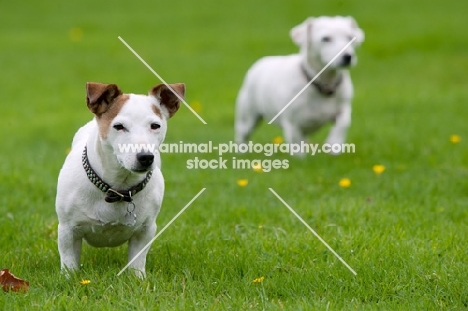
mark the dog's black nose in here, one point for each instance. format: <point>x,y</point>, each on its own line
<point>145,158</point>
<point>346,59</point>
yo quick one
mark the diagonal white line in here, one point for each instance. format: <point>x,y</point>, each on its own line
<point>160,232</point>
<point>160,78</point>
<point>311,81</point>
<point>312,230</point>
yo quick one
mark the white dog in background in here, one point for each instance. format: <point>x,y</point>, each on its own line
<point>272,82</point>
<point>107,195</point>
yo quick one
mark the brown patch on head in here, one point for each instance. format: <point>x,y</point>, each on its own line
<point>167,98</point>
<point>104,120</point>
<point>156,111</point>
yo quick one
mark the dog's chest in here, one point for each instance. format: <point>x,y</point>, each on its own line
<point>316,111</point>
<point>109,225</point>
<point>110,234</point>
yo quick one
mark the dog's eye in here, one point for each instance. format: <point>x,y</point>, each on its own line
<point>119,127</point>
<point>155,126</point>
<point>326,39</point>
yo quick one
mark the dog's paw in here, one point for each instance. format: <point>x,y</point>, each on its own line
<point>141,274</point>
<point>333,150</point>
<point>334,146</point>
<point>68,272</point>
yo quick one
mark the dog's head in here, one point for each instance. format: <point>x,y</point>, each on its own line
<point>322,38</point>
<point>133,126</point>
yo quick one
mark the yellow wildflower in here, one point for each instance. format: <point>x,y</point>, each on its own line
<point>85,282</point>
<point>345,182</point>
<point>378,169</point>
<point>75,34</point>
<point>257,168</point>
<point>259,280</point>
<point>455,139</point>
<point>196,105</point>
<point>278,140</point>
<point>242,182</point>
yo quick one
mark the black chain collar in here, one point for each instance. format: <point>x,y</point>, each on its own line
<point>324,89</point>
<point>112,195</point>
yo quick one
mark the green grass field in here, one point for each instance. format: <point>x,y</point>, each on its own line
<point>404,231</point>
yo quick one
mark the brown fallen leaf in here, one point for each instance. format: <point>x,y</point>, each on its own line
<point>10,282</point>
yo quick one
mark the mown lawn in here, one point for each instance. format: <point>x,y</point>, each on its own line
<point>404,231</point>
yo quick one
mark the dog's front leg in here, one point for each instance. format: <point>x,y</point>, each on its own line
<point>294,136</point>
<point>135,245</point>
<point>69,248</point>
<point>338,132</point>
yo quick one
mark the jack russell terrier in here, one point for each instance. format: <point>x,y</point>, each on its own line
<point>272,82</point>
<point>107,195</point>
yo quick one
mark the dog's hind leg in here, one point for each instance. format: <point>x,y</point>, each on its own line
<point>247,116</point>
<point>244,127</point>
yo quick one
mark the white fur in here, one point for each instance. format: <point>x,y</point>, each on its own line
<point>272,82</point>
<point>80,205</point>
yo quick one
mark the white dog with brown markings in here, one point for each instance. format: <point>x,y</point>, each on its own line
<point>272,82</point>
<point>107,195</point>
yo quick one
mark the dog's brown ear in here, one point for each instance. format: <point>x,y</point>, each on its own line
<point>99,96</point>
<point>169,96</point>
<point>300,32</point>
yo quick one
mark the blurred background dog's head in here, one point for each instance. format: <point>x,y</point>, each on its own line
<point>322,38</point>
